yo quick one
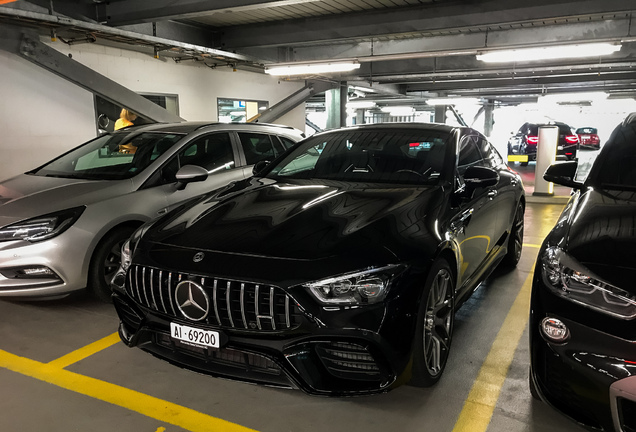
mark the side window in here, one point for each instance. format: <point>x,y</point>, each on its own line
<point>212,152</point>
<point>259,147</point>
<point>287,143</point>
<point>468,154</point>
<point>490,154</point>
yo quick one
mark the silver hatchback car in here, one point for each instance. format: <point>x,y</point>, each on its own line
<point>62,224</point>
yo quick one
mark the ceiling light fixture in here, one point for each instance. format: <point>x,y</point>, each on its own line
<point>361,104</point>
<point>549,53</point>
<point>311,68</point>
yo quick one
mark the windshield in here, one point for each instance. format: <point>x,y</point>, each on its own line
<point>403,156</point>
<point>111,157</point>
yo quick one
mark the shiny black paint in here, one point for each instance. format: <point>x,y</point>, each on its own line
<point>287,233</point>
<point>598,229</point>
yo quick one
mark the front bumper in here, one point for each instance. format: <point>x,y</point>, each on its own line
<point>65,257</point>
<point>575,377</point>
<point>332,351</point>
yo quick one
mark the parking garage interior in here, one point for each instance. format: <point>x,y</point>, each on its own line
<point>67,67</point>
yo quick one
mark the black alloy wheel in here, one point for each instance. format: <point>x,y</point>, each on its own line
<point>515,239</point>
<point>435,326</point>
<point>105,262</point>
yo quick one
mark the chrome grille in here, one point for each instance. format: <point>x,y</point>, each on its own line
<point>238,305</point>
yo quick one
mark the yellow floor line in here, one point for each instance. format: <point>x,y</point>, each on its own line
<point>164,411</point>
<point>482,399</point>
<point>531,245</point>
<point>84,352</point>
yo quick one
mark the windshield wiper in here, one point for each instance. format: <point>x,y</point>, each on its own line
<point>70,176</point>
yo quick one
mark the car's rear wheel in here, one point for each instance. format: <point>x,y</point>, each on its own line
<point>434,326</point>
<point>515,239</point>
<point>105,262</point>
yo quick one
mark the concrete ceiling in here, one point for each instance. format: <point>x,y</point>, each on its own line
<point>408,49</point>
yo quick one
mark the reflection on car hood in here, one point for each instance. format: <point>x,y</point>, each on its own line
<point>303,221</point>
<point>27,196</point>
<point>602,235</point>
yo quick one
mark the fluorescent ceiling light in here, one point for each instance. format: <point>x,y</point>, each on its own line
<point>452,101</point>
<point>361,104</point>
<point>574,97</point>
<point>311,68</point>
<point>549,53</point>
<point>363,89</point>
<point>402,110</point>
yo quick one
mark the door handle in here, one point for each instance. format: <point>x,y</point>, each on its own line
<point>162,212</point>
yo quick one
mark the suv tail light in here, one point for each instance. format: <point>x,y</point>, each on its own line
<point>571,139</point>
<point>533,139</point>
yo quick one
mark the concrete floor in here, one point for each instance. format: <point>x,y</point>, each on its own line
<point>109,387</point>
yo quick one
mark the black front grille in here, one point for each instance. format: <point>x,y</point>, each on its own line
<point>348,360</point>
<point>233,304</point>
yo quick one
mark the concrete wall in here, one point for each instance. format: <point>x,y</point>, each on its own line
<point>43,115</point>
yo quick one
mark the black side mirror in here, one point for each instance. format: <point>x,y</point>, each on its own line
<point>190,174</point>
<point>479,176</point>
<point>563,174</point>
<point>259,166</point>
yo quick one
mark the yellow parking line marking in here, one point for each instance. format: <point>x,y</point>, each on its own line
<point>164,411</point>
<point>84,352</point>
<point>482,399</point>
<point>531,245</point>
<point>161,429</point>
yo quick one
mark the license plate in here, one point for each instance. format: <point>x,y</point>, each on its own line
<point>194,336</point>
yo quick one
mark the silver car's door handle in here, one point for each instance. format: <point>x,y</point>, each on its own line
<point>162,212</point>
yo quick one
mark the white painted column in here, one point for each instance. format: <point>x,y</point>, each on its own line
<point>546,155</point>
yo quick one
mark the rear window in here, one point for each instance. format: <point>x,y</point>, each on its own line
<point>586,131</point>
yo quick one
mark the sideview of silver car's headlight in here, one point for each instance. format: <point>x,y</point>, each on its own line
<point>41,227</point>
<point>571,280</point>
<point>363,287</point>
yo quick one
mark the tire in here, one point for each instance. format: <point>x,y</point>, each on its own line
<point>533,389</point>
<point>105,262</point>
<point>515,239</point>
<point>434,329</point>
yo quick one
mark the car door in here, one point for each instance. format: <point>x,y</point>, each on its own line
<point>475,219</point>
<point>215,153</point>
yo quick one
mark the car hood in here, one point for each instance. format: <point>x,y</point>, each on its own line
<point>302,226</point>
<point>602,235</point>
<point>27,196</point>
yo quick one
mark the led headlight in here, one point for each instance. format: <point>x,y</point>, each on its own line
<point>363,287</point>
<point>42,227</point>
<point>573,281</point>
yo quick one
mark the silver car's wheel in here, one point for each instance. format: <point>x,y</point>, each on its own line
<point>435,326</point>
<point>105,262</point>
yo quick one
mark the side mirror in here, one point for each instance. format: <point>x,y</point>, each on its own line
<point>190,174</point>
<point>479,176</point>
<point>259,166</point>
<point>563,174</point>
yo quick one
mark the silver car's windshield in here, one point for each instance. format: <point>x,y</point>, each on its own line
<point>111,157</point>
<point>381,156</point>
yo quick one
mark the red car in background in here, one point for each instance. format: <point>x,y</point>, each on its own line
<point>588,138</point>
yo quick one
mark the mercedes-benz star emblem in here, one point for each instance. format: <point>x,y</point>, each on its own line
<point>198,257</point>
<point>192,300</point>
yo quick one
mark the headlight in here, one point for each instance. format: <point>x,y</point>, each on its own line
<point>573,281</point>
<point>363,287</point>
<point>42,227</point>
<point>129,246</point>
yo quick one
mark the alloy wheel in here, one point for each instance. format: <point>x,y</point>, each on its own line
<point>438,323</point>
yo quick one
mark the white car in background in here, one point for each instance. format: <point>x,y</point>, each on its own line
<point>62,224</point>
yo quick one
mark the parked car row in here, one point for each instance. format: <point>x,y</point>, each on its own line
<point>524,142</point>
<point>335,264</point>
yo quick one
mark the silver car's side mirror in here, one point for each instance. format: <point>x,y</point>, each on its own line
<point>190,174</point>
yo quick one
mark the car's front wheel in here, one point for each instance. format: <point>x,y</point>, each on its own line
<point>434,326</point>
<point>105,262</point>
<point>515,239</point>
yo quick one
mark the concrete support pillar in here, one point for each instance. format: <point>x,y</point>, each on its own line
<point>359,116</point>
<point>335,105</point>
<point>546,155</point>
<point>440,113</point>
<point>489,118</point>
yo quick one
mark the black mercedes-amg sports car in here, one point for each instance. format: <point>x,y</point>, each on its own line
<point>583,310</point>
<point>337,268</point>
